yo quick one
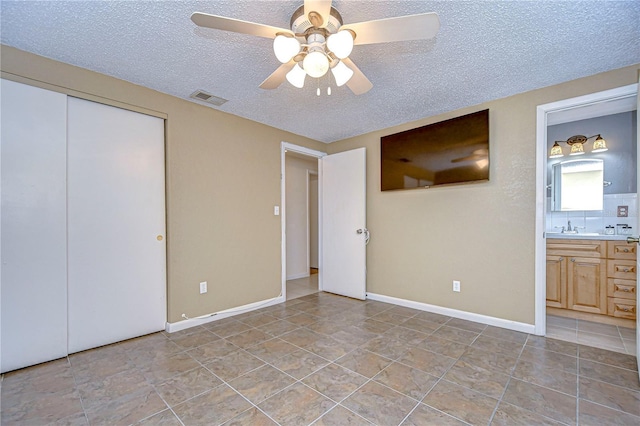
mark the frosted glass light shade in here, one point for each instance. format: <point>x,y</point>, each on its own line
<point>556,151</point>
<point>341,43</point>
<point>577,149</point>
<point>599,145</point>
<point>296,76</point>
<point>341,73</point>
<point>285,48</point>
<point>316,64</point>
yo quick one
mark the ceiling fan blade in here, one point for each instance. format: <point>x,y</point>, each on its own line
<point>401,28</point>
<point>236,25</point>
<point>278,76</point>
<point>321,7</point>
<point>358,83</point>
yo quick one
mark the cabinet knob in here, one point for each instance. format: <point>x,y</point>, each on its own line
<point>626,289</point>
<point>625,270</point>
<point>573,259</point>
<point>626,250</point>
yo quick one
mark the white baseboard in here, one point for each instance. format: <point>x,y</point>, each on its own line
<point>470,316</point>
<point>297,276</point>
<point>172,327</point>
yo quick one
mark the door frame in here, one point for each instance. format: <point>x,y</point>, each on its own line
<point>284,147</point>
<point>540,321</point>
<point>309,174</point>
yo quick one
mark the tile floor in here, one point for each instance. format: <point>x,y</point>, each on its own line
<point>302,286</point>
<point>327,360</point>
<point>605,336</point>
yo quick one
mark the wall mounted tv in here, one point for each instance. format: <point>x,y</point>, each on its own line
<point>450,152</point>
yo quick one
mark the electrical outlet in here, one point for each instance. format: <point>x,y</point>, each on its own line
<point>456,286</point>
<point>203,287</point>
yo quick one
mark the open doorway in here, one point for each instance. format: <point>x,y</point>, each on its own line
<point>579,249</point>
<point>300,203</point>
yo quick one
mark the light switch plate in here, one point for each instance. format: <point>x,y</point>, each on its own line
<point>203,287</point>
<point>276,210</point>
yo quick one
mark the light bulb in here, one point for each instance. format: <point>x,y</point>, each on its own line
<point>296,76</point>
<point>556,151</point>
<point>341,73</point>
<point>285,48</point>
<point>341,43</point>
<point>316,64</point>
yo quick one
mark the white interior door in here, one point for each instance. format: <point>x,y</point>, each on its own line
<point>116,224</point>
<point>33,278</point>
<point>343,218</point>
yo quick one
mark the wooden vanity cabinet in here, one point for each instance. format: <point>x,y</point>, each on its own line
<point>592,276</point>
<point>577,275</point>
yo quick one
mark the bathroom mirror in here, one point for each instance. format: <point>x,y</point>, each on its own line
<point>577,185</point>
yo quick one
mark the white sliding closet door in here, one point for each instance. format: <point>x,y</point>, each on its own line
<point>33,279</point>
<point>116,224</point>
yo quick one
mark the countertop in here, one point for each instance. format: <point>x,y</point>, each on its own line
<point>585,236</point>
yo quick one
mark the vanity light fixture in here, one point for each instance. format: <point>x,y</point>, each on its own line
<point>577,145</point>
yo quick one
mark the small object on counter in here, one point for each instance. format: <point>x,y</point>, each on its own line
<point>609,230</point>
<point>620,228</point>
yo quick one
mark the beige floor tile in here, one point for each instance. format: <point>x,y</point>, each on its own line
<point>163,418</point>
<point>615,397</point>
<point>443,346</point>
<point>214,407</point>
<point>609,374</point>
<point>253,417</point>
<point>460,402</point>
<point>379,404</point>
<point>597,415</point>
<point>42,410</point>
<point>300,363</point>
<point>538,374</point>
<point>407,380</point>
<point>607,357</point>
<point>340,416</point>
<point>278,328</point>
<point>550,360</point>
<point>233,365</point>
<point>334,381</point>
<point>127,409</point>
<point>455,334</point>
<point>212,351</point>
<point>296,405</point>
<point>187,385</point>
<point>97,393</point>
<point>425,415</point>
<point>427,361</point>
<point>248,338</point>
<point>386,346</point>
<point>466,325</point>
<point>542,401</point>
<point>487,382</point>
<point>169,367</point>
<point>510,415</point>
<point>364,362</point>
<point>259,384</point>
<point>566,348</point>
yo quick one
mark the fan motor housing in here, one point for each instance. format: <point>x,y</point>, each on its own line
<point>300,23</point>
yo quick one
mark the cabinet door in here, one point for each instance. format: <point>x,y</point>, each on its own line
<point>587,285</point>
<point>34,235</point>
<point>557,282</point>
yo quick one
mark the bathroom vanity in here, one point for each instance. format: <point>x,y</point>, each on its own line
<point>592,273</point>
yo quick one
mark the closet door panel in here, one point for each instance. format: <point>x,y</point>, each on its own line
<point>33,250</point>
<point>117,264</point>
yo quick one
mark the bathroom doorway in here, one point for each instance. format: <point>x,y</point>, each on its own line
<point>559,121</point>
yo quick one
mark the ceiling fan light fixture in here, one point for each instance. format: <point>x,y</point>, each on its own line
<point>296,76</point>
<point>316,64</point>
<point>341,73</point>
<point>341,43</point>
<point>285,47</point>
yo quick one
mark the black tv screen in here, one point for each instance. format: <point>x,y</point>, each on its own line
<point>454,151</point>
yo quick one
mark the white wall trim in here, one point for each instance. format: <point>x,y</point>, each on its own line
<point>469,316</point>
<point>297,276</point>
<point>284,147</point>
<point>540,269</point>
<point>172,327</point>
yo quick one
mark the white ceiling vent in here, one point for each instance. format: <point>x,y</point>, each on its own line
<point>203,96</point>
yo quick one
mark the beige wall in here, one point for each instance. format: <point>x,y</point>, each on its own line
<point>481,234</point>
<point>223,179</point>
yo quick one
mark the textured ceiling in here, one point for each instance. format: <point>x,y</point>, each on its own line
<point>485,50</point>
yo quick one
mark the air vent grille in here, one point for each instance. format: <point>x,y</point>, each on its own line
<point>203,96</point>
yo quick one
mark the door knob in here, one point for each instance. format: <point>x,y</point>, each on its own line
<point>633,240</point>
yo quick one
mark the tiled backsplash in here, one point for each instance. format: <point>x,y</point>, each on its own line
<point>595,221</point>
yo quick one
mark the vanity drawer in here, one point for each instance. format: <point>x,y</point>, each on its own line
<point>625,269</point>
<point>622,308</point>
<point>621,250</point>
<point>580,248</point>
<point>623,289</point>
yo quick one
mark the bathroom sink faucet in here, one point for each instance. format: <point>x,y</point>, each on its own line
<point>569,226</point>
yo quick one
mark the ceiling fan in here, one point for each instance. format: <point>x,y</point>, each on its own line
<point>318,41</point>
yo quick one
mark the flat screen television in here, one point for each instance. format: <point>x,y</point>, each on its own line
<point>450,152</point>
